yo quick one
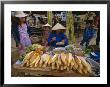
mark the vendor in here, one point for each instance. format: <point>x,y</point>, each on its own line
<point>21,32</point>
<point>57,38</point>
<point>88,34</point>
<point>46,31</point>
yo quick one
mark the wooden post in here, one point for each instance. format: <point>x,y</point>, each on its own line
<point>49,17</point>
<point>70,27</point>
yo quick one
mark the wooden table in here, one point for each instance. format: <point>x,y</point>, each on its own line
<point>22,71</point>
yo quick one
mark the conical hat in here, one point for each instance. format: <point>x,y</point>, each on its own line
<point>20,14</point>
<point>47,25</point>
<point>58,26</point>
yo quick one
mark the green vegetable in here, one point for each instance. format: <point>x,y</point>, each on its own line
<point>33,47</point>
<point>69,48</point>
<point>22,57</point>
<point>87,51</point>
<point>29,49</point>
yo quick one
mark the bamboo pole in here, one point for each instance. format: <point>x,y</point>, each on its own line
<point>70,27</point>
<point>49,17</point>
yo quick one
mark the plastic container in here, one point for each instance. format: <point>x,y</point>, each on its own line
<point>95,55</point>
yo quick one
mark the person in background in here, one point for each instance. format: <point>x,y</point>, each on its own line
<point>21,32</point>
<point>57,38</point>
<point>88,34</point>
<point>46,31</point>
<point>55,19</point>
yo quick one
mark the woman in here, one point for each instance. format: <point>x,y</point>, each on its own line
<point>21,32</point>
<point>88,34</point>
<point>57,38</point>
<point>46,31</point>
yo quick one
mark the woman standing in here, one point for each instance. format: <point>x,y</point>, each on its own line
<point>21,32</point>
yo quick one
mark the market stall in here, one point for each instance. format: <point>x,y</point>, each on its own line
<point>67,61</point>
<point>55,52</point>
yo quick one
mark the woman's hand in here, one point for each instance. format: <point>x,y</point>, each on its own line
<point>63,41</point>
<point>60,43</point>
<point>54,38</point>
<point>20,47</point>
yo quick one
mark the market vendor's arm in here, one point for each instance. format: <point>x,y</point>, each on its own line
<point>29,29</point>
<point>94,32</point>
<point>51,38</point>
<point>64,39</point>
<point>85,33</point>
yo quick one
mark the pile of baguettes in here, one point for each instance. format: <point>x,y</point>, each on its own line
<point>57,61</point>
